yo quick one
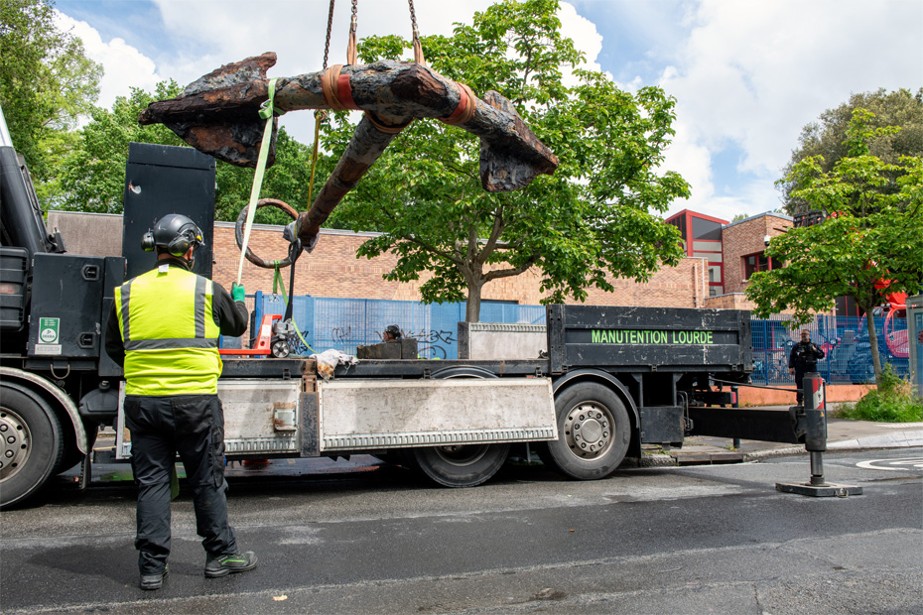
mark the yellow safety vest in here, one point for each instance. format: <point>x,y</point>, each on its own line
<point>169,332</point>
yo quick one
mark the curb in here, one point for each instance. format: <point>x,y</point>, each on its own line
<point>911,440</point>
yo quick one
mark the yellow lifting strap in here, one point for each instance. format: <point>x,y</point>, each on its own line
<point>266,112</point>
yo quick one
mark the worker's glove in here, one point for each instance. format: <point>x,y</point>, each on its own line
<point>237,292</point>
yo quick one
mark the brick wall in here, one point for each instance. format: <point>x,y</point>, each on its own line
<point>743,238</point>
<point>88,234</point>
<point>332,269</point>
<point>730,301</point>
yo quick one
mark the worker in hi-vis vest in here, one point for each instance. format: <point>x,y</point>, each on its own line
<point>164,330</point>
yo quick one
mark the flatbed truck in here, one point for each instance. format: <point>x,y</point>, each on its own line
<point>613,379</point>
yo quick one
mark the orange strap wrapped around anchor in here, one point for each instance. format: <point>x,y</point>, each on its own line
<point>338,93</point>
<point>464,111</point>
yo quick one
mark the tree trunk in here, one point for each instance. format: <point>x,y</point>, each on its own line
<point>873,342</point>
<point>473,306</point>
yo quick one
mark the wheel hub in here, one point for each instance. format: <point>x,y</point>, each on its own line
<point>461,455</point>
<point>588,430</point>
<point>16,441</point>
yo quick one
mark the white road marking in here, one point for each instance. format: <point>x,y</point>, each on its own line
<point>896,465</point>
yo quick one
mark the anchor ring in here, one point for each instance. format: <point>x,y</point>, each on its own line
<point>239,232</point>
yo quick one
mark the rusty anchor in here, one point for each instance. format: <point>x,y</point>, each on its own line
<point>218,115</point>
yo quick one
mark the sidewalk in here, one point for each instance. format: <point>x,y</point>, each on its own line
<point>842,435</point>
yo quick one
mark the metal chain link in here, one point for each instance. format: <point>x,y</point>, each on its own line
<point>329,30</point>
<point>352,47</point>
<point>417,46</point>
<point>413,19</point>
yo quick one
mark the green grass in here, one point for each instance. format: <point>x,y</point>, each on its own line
<point>892,402</point>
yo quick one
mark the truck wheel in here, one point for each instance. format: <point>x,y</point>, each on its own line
<point>593,432</point>
<point>462,465</point>
<point>32,444</point>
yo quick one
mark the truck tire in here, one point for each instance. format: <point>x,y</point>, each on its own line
<point>463,465</point>
<point>32,444</point>
<point>594,432</point>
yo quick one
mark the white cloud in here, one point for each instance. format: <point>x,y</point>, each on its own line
<point>204,35</point>
<point>692,161</point>
<point>747,74</point>
<point>232,29</point>
<point>751,74</point>
<point>584,34</point>
<point>124,65</point>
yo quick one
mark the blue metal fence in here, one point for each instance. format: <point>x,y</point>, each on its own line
<point>344,324</point>
<point>845,341</point>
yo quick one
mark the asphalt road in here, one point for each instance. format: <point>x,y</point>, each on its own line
<point>703,539</point>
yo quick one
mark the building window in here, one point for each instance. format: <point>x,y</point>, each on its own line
<point>758,262</point>
<point>713,257</point>
<point>706,246</point>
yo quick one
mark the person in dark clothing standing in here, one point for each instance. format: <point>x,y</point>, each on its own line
<point>803,359</point>
<point>164,330</point>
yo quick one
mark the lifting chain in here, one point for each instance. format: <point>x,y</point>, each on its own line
<point>352,48</point>
<point>351,58</point>
<point>329,29</point>
<point>321,115</point>
<point>417,47</point>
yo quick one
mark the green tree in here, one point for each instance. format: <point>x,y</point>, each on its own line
<point>93,173</point>
<point>46,83</point>
<point>286,180</point>
<point>873,232</point>
<point>588,222</point>
<point>827,136</point>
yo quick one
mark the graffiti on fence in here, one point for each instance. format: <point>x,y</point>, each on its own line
<point>432,343</point>
<point>341,334</point>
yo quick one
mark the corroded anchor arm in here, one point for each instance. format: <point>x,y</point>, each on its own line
<point>217,114</point>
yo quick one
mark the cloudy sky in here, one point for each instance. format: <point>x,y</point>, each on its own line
<point>747,74</point>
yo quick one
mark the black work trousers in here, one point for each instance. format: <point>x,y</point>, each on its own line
<point>161,427</point>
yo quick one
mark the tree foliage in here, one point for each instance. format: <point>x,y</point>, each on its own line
<point>873,232</point>
<point>93,173</point>
<point>587,223</point>
<point>46,83</point>
<point>827,136</point>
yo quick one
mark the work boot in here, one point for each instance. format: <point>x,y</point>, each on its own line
<point>153,580</point>
<point>223,565</point>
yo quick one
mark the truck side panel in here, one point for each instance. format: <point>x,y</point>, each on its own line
<point>381,414</point>
<point>260,416</point>
<point>648,339</point>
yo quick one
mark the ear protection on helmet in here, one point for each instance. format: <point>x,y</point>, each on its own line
<point>180,244</point>
<point>175,233</point>
<point>147,241</point>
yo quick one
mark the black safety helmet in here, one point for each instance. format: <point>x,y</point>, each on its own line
<point>175,233</point>
<point>394,331</point>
